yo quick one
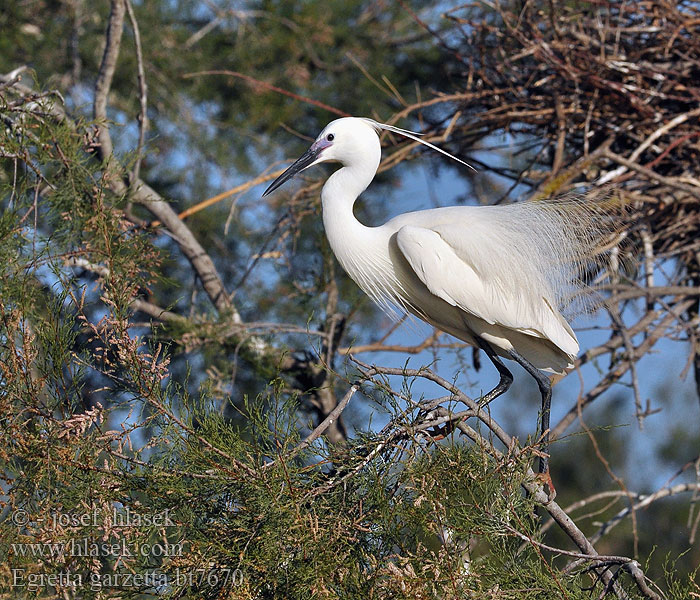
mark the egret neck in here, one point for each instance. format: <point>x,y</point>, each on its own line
<point>347,236</point>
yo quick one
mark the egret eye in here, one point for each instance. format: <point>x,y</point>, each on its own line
<point>330,137</point>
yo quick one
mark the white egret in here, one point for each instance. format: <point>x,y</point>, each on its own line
<point>495,277</point>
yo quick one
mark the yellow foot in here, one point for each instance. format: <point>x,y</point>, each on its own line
<point>546,480</point>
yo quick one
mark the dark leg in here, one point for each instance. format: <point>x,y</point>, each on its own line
<point>506,375</point>
<point>546,391</point>
<point>503,384</point>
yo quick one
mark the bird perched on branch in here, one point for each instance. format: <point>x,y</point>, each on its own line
<point>496,277</point>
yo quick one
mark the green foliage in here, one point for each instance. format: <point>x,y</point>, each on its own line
<point>434,521</point>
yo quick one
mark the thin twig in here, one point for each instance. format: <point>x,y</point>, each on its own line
<point>143,100</point>
<point>653,175</point>
<point>256,83</point>
<point>325,424</point>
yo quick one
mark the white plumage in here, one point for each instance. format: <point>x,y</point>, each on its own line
<point>493,276</point>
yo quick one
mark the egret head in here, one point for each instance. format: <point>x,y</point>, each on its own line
<point>348,140</point>
<point>351,141</point>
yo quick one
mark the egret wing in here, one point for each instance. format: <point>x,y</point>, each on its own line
<point>459,275</point>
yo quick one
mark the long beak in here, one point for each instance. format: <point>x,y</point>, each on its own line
<point>304,161</point>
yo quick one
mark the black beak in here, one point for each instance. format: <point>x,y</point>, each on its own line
<point>305,160</point>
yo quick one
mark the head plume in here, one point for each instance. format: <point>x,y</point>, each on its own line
<point>414,136</point>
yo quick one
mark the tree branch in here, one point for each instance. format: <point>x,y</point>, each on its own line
<point>143,91</point>
<point>106,74</point>
<point>534,487</point>
<point>142,193</point>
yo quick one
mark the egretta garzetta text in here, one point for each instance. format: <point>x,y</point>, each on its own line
<point>495,277</point>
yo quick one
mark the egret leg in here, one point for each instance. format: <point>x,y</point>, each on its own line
<point>545,386</point>
<point>506,376</point>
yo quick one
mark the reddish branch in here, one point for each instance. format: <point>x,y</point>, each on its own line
<point>259,85</point>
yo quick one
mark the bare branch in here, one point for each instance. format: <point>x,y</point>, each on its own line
<point>143,100</point>
<point>644,501</point>
<point>106,73</point>
<point>672,182</point>
<point>257,85</point>
<point>615,374</point>
<point>325,424</point>
<point>190,246</point>
<point>142,193</point>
